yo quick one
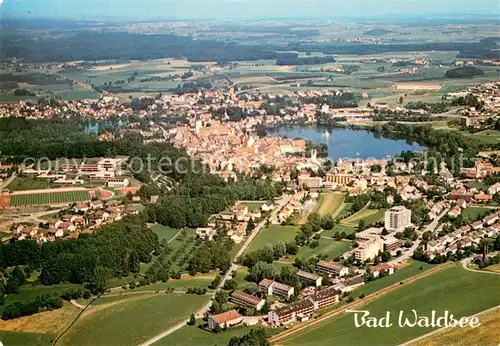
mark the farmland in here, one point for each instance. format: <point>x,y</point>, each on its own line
<point>273,235</point>
<point>23,338</point>
<point>486,334</point>
<point>191,335</point>
<point>49,198</point>
<point>329,203</point>
<point>131,320</point>
<point>447,290</point>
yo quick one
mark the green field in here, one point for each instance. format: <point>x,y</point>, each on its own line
<point>23,339</point>
<point>488,136</point>
<point>329,203</point>
<point>49,198</point>
<point>474,212</point>
<point>131,321</point>
<point>273,235</point>
<point>453,289</point>
<point>191,335</point>
<point>25,183</point>
<point>328,247</point>
<point>369,216</point>
<point>252,205</point>
<point>164,232</point>
<point>28,292</point>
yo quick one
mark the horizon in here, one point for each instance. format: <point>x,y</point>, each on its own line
<point>175,10</point>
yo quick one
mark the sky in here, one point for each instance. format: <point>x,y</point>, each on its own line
<point>240,9</point>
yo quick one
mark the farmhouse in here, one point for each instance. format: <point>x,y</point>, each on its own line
<point>224,320</point>
<point>247,300</point>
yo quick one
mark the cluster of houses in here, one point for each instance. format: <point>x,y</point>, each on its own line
<point>488,227</point>
<point>234,222</point>
<point>293,206</point>
<point>84,219</point>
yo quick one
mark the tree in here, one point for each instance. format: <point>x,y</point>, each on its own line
<point>230,285</point>
<point>192,320</point>
<point>215,282</point>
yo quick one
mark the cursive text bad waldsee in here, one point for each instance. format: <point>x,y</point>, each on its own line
<point>412,319</point>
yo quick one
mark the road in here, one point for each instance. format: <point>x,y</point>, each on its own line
<point>467,260</point>
<point>429,228</point>
<point>6,183</point>
<point>279,204</point>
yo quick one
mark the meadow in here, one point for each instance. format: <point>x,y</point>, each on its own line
<point>474,212</point>
<point>329,203</point>
<point>453,289</point>
<point>49,198</point>
<point>328,247</point>
<point>25,183</point>
<point>369,216</point>
<point>22,338</point>
<point>487,334</point>
<point>273,235</point>
<point>131,320</point>
<point>191,335</point>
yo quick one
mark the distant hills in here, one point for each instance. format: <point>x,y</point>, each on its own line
<point>377,32</point>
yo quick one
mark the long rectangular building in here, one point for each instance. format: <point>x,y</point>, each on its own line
<point>247,300</point>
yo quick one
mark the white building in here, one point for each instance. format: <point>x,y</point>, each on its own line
<point>397,219</point>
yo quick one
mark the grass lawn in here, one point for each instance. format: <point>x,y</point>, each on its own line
<point>329,203</point>
<point>487,333</point>
<point>273,235</point>
<point>25,183</point>
<point>338,228</point>
<point>474,212</point>
<point>495,268</point>
<point>131,321</point>
<point>367,215</point>
<point>453,289</point>
<point>23,339</point>
<point>346,207</point>
<point>328,247</point>
<point>488,136</point>
<point>412,268</point>
<point>164,232</point>
<point>191,335</point>
<point>252,205</point>
<point>186,281</point>
<point>28,292</point>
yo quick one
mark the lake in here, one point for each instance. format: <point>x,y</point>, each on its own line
<point>349,143</point>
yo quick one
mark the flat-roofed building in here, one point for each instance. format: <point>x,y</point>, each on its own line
<point>118,182</point>
<point>368,249</point>
<point>247,300</point>
<point>310,278</point>
<point>397,218</point>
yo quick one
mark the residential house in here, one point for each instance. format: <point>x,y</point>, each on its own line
<point>224,320</point>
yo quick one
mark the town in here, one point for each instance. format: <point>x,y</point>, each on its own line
<point>199,182</point>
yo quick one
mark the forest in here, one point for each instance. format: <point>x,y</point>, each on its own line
<point>114,250</point>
